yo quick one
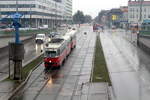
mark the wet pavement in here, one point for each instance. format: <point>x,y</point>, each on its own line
<point>128,66</point>
<point>4,41</point>
<point>72,81</point>
<point>32,50</point>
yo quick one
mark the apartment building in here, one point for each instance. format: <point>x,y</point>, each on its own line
<point>137,9</point>
<point>37,12</point>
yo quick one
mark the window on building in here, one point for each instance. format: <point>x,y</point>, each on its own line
<point>137,16</point>
<point>130,16</point>
<point>144,16</point>
<point>137,10</point>
<point>131,9</point>
<point>144,9</point>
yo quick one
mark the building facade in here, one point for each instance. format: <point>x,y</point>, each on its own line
<point>124,19</point>
<point>115,17</point>
<point>67,9</point>
<point>138,11</point>
<point>37,13</point>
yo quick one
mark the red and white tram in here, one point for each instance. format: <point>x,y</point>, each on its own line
<point>72,34</point>
<point>55,53</point>
<point>58,49</point>
<point>68,44</point>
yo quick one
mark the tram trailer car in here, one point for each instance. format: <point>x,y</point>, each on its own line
<point>68,44</point>
<point>55,53</point>
<point>72,34</point>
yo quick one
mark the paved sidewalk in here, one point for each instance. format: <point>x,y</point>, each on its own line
<point>127,67</point>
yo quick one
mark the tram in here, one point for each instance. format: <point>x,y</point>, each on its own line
<point>58,49</point>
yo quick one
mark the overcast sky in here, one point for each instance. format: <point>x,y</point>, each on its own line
<point>92,7</point>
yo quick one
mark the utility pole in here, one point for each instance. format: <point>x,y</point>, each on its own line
<point>30,17</point>
<point>16,50</point>
<point>56,15</point>
<point>141,4</point>
<point>16,6</point>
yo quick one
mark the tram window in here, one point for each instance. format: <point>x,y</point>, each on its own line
<point>58,51</point>
<point>51,54</point>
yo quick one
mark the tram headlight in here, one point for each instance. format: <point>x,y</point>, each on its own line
<point>50,61</point>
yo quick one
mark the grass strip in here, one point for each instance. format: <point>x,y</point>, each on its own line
<point>100,71</point>
<point>26,69</point>
<point>30,66</point>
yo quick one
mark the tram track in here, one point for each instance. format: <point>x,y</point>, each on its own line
<point>63,82</point>
<point>68,71</point>
<point>49,76</point>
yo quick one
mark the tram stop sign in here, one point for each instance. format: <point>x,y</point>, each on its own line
<point>16,15</point>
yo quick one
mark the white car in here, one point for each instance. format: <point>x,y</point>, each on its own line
<point>40,38</point>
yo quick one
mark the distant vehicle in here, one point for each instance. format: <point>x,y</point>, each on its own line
<point>113,27</point>
<point>73,28</point>
<point>63,25</point>
<point>40,38</point>
<point>43,27</point>
<point>69,27</point>
<point>95,27</point>
<point>52,35</point>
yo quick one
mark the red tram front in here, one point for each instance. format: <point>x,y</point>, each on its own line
<point>55,53</point>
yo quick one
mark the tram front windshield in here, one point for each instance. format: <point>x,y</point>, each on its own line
<point>51,54</point>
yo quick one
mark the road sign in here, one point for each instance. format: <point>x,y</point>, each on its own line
<point>114,17</point>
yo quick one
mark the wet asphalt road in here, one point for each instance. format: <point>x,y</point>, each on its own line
<point>66,83</point>
<point>31,51</point>
<point>5,41</point>
<point>128,66</point>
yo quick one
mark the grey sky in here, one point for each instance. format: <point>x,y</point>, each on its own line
<point>92,7</point>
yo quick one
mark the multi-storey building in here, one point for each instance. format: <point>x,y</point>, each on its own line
<point>115,17</point>
<point>38,12</point>
<point>124,19</point>
<point>67,9</point>
<point>138,11</point>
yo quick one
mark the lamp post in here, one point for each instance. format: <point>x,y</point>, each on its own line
<point>30,17</point>
<point>141,4</point>
<point>56,15</point>
<point>140,19</point>
<point>16,6</point>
